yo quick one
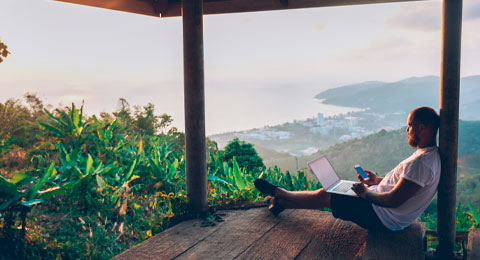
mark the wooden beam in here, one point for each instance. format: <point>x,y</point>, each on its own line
<point>241,6</point>
<point>194,93</point>
<point>448,138</point>
<point>145,7</point>
<point>173,7</point>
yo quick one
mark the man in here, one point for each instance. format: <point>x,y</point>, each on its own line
<point>392,202</point>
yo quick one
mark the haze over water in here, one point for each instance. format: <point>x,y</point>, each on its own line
<point>236,108</point>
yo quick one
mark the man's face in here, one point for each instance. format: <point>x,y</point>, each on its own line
<point>412,131</point>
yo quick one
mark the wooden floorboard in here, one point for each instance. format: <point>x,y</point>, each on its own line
<point>256,234</point>
<point>173,241</point>
<point>334,239</point>
<point>235,236</point>
<point>284,241</point>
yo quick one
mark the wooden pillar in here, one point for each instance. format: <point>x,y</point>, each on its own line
<point>448,139</point>
<point>194,93</point>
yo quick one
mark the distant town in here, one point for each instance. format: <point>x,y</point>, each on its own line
<point>304,137</point>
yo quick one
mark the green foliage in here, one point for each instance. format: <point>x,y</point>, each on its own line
<point>101,186</point>
<point>475,215</point>
<point>95,186</point>
<point>245,154</point>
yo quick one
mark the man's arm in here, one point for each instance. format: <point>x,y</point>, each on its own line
<point>403,191</point>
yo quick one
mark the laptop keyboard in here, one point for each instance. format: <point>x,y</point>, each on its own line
<point>343,187</point>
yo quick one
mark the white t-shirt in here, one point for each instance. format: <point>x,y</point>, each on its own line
<point>422,168</point>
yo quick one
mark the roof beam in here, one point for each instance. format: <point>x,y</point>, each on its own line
<point>172,8</point>
<point>145,7</point>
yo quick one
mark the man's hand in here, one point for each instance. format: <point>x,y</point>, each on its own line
<point>372,178</point>
<point>403,191</point>
<point>360,190</point>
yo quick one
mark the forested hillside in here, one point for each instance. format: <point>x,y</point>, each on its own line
<point>388,97</point>
<point>382,151</point>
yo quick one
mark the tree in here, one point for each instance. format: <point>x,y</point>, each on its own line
<point>146,122</point>
<point>3,51</point>
<point>244,153</point>
<point>143,120</point>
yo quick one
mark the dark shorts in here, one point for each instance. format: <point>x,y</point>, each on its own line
<point>357,210</point>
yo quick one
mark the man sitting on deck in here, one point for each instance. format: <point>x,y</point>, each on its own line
<point>392,202</point>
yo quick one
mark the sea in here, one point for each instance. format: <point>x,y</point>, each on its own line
<point>237,109</point>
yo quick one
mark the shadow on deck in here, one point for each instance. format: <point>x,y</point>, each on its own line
<point>256,234</point>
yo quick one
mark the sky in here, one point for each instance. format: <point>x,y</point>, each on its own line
<point>260,68</point>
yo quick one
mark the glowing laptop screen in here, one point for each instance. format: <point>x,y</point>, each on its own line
<point>324,172</point>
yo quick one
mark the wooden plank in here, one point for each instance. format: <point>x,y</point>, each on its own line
<point>145,7</point>
<point>235,236</point>
<point>334,239</point>
<point>303,232</point>
<point>284,241</point>
<point>172,8</point>
<point>405,244</point>
<point>256,234</point>
<point>173,241</point>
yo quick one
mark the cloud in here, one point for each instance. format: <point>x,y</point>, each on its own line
<point>422,17</point>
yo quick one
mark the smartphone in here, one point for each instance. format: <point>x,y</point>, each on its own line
<point>361,171</point>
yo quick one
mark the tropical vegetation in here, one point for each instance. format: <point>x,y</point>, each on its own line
<point>74,186</point>
<point>77,186</point>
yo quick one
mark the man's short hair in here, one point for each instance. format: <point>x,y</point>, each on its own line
<point>426,116</point>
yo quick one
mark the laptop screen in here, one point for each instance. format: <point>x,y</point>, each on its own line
<point>324,171</point>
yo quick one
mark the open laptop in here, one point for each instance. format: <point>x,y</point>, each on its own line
<point>326,175</point>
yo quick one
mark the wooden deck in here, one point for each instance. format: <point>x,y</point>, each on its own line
<point>256,234</point>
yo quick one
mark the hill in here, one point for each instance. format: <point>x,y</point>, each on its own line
<point>382,151</point>
<point>402,95</point>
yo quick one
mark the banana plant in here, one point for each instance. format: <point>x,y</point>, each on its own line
<point>165,173</point>
<point>104,131</point>
<point>232,178</point>
<point>15,199</point>
<point>475,216</point>
<point>68,126</point>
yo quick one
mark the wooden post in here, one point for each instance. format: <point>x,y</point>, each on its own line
<point>194,93</point>
<point>448,139</point>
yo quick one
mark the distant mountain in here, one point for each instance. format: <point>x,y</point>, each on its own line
<point>403,95</point>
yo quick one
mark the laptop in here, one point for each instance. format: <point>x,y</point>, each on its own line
<point>326,175</point>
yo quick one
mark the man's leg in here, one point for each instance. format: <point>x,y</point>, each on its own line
<point>302,199</point>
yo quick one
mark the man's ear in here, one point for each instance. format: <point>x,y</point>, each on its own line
<point>422,127</point>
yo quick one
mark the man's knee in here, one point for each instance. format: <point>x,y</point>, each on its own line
<point>323,196</point>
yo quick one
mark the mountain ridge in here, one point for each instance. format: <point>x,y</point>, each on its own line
<point>403,95</point>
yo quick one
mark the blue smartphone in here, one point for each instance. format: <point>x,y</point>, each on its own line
<point>361,171</point>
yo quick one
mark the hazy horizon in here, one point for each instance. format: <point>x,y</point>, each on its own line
<point>261,68</point>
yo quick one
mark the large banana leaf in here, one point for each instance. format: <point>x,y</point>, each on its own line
<point>8,187</point>
<point>50,172</point>
<point>212,177</point>
<point>239,179</point>
<point>474,214</point>
<point>109,132</point>
<point>89,164</point>
<point>21,178</point>
<point>4,205</point>
<point>130,172</point>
